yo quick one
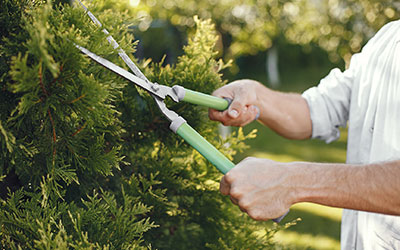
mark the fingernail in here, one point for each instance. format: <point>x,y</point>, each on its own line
<point>233,113</point>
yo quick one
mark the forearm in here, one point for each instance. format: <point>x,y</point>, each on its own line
<point>373,188</point>
<point>285,113</point>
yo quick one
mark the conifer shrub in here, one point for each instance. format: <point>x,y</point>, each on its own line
<point>86,159</point>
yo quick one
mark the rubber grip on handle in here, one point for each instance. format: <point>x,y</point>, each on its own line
<point>212,154</point>
<point>205,100</point>
<point>198,142</point>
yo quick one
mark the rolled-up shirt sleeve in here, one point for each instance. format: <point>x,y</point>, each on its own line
<point>329,103</point>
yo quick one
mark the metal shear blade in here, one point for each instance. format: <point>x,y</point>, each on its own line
<point>157,90</point>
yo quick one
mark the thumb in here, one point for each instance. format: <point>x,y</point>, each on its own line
<point>236,108</point>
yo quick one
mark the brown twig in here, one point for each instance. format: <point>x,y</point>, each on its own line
<point>41,81</point>
<point>52,124</point>
<point>54,134</point>
<point>79,130</point>
<point>77,99</point>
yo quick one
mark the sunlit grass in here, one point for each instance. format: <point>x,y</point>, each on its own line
<point>294,240</point>
<point>318,229</point>
<point>332,213</point>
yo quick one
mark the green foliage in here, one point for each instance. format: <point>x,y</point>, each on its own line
<point>87,160</point>
<point>61,139</point>
<point>340,27</point>
<point>32,220</point>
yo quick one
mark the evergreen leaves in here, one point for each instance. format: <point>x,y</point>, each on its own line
<point>87,160</point>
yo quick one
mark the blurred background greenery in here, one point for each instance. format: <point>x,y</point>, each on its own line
<point>287,45</point>
<point>248,27</point>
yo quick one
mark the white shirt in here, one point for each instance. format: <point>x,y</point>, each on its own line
<point>367,96</point>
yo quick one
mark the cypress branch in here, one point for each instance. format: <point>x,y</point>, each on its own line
<point>87,159</point>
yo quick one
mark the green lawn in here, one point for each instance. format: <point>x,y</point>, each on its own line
<point>319,227</point>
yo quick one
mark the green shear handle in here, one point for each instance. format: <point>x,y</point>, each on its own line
<point>201,99</point>
<point>198,142</point>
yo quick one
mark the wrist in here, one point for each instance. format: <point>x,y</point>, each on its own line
<point>303,178</point>
<point>261,92</point>
<point>319,182</point>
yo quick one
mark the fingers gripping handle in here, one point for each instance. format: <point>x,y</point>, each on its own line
<point>198,142</point>
<point>205,100</point>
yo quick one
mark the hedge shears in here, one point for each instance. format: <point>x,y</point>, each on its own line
<point>176,93</point>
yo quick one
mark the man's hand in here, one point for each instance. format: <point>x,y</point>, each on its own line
<point>243,108</point>
<point>260,187</point>
<point>285,113</point>
<point>265,189</point>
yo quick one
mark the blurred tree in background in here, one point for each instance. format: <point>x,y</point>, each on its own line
<point>340,27</point>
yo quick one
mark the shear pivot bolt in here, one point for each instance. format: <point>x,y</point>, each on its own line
<point>155,86</point>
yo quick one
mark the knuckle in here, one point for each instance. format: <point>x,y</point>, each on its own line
<point>226,123</point>
<point>218,116</point>
<point>211,114</point>
<point>246,118</point>
<point>224,187</point>
<point>229,177</point>
<point>214,115</point>
<point>255,214</point>
<point>244,204</point>
<point>236,193</point>
<point>217,92</point>
<point>239,122</point>
<point>224,190</point>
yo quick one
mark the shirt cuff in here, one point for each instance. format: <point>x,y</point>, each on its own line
<point>321,126</point>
